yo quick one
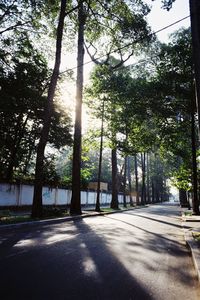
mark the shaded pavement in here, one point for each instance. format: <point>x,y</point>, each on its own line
<point>137,254</point>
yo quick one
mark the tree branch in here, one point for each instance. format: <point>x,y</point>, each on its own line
<point>73,9</point>
<point>18,24</point>
<point>7,11</point>
<point>122,61</point>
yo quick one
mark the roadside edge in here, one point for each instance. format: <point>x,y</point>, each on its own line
<point>194,249</point>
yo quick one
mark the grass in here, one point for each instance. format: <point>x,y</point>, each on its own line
<point>188,213</point>
<point>121,208</point>
<point>14,219</point>
<point>108,209</point>
<point>196,235</point>
<point>8,217</point>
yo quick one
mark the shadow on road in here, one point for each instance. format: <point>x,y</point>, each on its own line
<point>78,267</point>
<point>156,220</point>
<point>91,259</point>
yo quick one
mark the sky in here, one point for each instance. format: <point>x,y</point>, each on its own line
<point>159,18</point>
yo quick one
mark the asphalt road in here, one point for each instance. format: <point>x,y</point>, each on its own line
<point>132,255</point>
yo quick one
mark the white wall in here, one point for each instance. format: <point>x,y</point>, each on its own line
<point>18,195</point>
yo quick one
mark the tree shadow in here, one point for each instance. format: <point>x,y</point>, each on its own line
<point>156,220</point>
<point>88,259</point>
<point>80,268</point>
<point>165,209</point>
<point>140,228</point>
<point>162,246</point>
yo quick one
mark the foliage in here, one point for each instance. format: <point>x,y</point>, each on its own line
<point>116,26</point>
<point>22,107</point>
<point>182,178</point>
<point>125,110</point>
<point>89,164</point>
<point>148,107</point>
<point>174,116</point>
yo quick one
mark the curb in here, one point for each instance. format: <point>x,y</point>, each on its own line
<point>194,249</point>
<point>187,219</point>
<point>60,220</point>
<point>42,222</point>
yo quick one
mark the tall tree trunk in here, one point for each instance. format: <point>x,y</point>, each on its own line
<point>153,190</point>
<point>165,190</point>
<point>97,208</point>
<point>143,160</point>
<point>37,196</point>
<point>136,180</point>
<point>31,142</point>
<point>195,200</point>
<point>156,180</point>
<point>114,201</point>
<point>195,29</point>
<point>161,189</point>
<point>124,185</point>
<point>129,180</point>
<point>148,181</point>
<point>183,198</point>
<point>75,207</point>
<point>157,190</point>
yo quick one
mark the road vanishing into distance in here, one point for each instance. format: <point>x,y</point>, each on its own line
<point>137,254</point>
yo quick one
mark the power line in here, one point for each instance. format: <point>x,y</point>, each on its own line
<point>129,44</point>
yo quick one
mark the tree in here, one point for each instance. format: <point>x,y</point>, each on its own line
<point>167,4</point>
<point>22,23</point>
<point>22,105</point>
<point>186,111</point>
<point>195,25</point>
<point>19,15</point>
<point>124,182</point>
<point>20,99</point>
<point>75,206</point>
<point>177,105</point>
<point>37,197</point>
<point>101,17</point>
<point>129,179</point>
<point>136,180</point>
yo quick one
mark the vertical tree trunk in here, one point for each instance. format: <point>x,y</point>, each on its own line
<point>31,142</point>
<point>157,190</point>
<point>156,180</point>
<point>153,190</point>
<point>37,196</point>
<point>165,190</point>
<point>114,201</point>
<point>183,198</point>
<point>148,181</point>
<point>143,160</point>
<point>195,29</point>
<point>129,180</point>
<point>124,185</point>
<point>136,180</point>
<point>195,200</point>
<point>161,189</point>
<point>100,163</point>
<point>75,207</point>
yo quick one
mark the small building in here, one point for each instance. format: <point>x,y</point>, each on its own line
<point>93,186</point>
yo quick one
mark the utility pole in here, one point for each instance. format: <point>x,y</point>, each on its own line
<point>195,29</point>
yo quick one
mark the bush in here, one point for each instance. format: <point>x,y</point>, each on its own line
<point>54,212</point>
